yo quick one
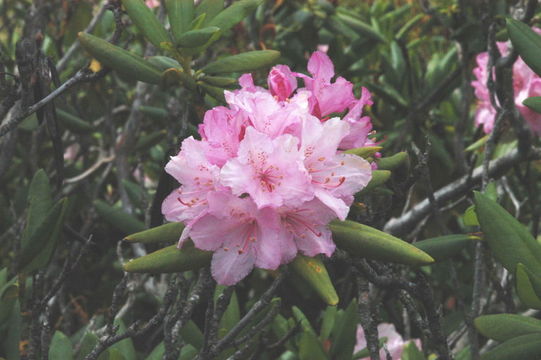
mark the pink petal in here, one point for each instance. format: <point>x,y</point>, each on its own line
<point>321,66</point>
<point>281,82</point>
<point>228,267</point>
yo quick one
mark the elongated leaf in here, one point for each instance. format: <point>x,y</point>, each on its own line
<point>60,347</point>
<point>163,62</point>
<point>411,352</point>
<point>146,22</point>
<point>327,324</point>
<point>360,26</point>
<point>219,81</point>
<point>209,7</point>
<point>117,218</point>
<point>345,334</point>
<point>44,240</point>
<point>230,317</point>
<point>74,123</point>
<point>502,327</point>
<point>215,92</point>
<point>444,247</point>
<point>364,152</point>
<point>313,271</point>
<point>120,60</point>
<point>180,14</point>
<point>526,42</point>
<point>12,340</point>
<point>40,202</point>
<point>149,140</point>
<point>364,241</point>
<point>247,61</point>
<point>124,347</point>
<point>164,233</point>
<point>509,240</point>
<point>526,290</point>
<point>157,352</point>
<point>234,14</point>
<point>195,38</point>
<point>192,335</point>
<point>408,26</point>
<point>9,294</point>
<point>533,103</point>
<point>379,177</point>
<point>525,347</point>
<point>170,259</point>
<point>393,162</point>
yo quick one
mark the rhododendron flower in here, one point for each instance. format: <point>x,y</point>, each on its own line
<point>395,344</point>
<point>526,83</point>
<point>152,3</point>
<point>269,174</point>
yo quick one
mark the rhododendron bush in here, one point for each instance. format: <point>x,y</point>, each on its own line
<point>267,179</point>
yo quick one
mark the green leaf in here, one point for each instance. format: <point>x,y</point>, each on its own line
<point>169,232</point>
<point>163,63</point>
<point>364,152</point>
<point>43,241</point>
<point>364,241</point>
<point>195,38</point>
<point>408,26</point>
<point>149,140</point>
<point>345,333</point>
<point>191,334</point>
<point>470,217</point>
<point>188,352</point>
<point>60,347</point>
<point>219,81</point>
<point>477,144</point>
<point>411,352</point>
<point>444,247</point>
<point>379,177</point>
<point>157,352</point>
<point>310,348</point>
<point>329,317</point>
<point>230,317</point>
<point>247,61</point>
<point>526,42</point>
<point>117,218</point>
<point>9,294</point>
<point>215,92</point>
<point>11,341</point>
<point>502,327</point>
<point>170,259</point>
<point>313,271</point>
<point>360,26</point>
<point>509,240</point>
<point>40,202</point>
<point>124,347</point>
<point>88,342</point>
<point>120,60</point>
<point>209,7</point>
<point>74,123</point>
<point>234,14</point>
<point>534,103</point>
<point>525,288</point>
<point>392,162</point>
<point>180,14</point>
<point>146,22</point>
<point>525,347</point>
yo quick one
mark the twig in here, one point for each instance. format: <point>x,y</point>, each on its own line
<point>459,187</point>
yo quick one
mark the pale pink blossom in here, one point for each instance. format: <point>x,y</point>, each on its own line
<point>270,171</point>
<point>395,343</point>
<point>269,174</point>
<point>152,3</point>
<point>526,83</point>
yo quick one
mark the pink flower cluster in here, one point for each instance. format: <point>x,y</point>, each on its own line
<point>269,173</point>
<point>526,83</point>
<point>395,343</point>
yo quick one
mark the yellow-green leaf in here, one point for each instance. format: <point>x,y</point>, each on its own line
<point>502,327</point>
<point>365,241</point>
<point>180,14</point>
<point>444,247</point>
<point>393,162</point>
<point>169,232</point>
<point>525,347</point>
<point>146,22</point>
<point>525,288</point>
<point>313,271</point>
<point>195,38</point>
<point>120,60</point>
<point>170,259</point>
<point>364,152</point>
<point>247,61</point>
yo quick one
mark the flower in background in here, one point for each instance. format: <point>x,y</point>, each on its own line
<point>526,83</point>
<point>395,344</point>
<point>269,172</point>
<point>152,3</point>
